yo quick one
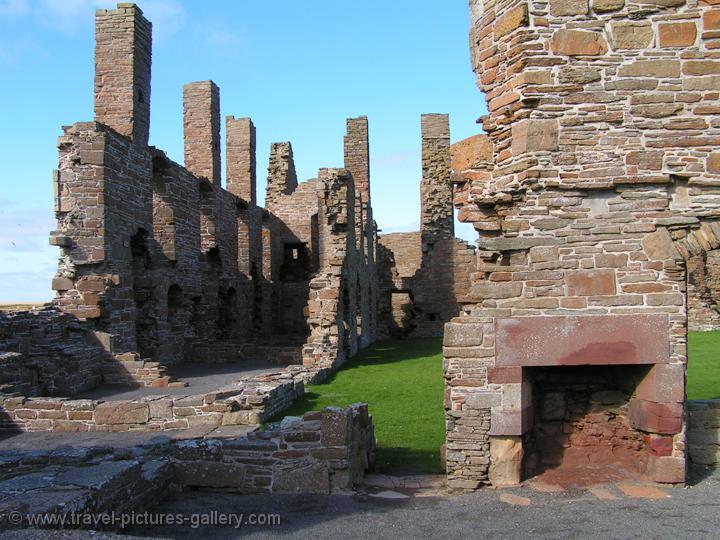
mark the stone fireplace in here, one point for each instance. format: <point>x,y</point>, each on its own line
<point>582,396</point>
<point>581,427</point>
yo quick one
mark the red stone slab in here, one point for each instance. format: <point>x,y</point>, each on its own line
<point>582,340</point>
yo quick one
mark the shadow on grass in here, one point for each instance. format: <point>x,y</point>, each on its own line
<point>391,351</point>
<point>405,461</point>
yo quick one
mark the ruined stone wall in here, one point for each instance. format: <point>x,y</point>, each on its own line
<point>602,121</point>
<point>704,431</point>
<point>282,178</point>
<point>421,283</point>
<point>704,291</point>
<point>332,303</point>
<point>159,264</point>
<point>158,256</point>
<point>47,353</point>
<point>422,275</point>
<point>436,210</point>
<point>201,123</point>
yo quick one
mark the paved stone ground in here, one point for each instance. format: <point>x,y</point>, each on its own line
<point>532,511</point>
<point>200,379</point>
<point>42,442</point>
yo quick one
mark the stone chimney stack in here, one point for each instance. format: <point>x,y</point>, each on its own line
<point>201,122</point>
<point>357,155</point>
<point>123,51</point>
<point>240,166</point>
<point>436,199</point>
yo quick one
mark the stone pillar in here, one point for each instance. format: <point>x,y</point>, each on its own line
<point>436,204</point>
<point>201,122</point>
<point>123,50</point>
<point>282,179</point>
<point>240,166</point>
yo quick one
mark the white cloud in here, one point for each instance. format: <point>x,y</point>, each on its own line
<point>221,39</point>
<point>14,8</point>
<point>168,17</point>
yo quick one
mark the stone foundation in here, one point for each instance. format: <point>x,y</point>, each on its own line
<point>322,452</point>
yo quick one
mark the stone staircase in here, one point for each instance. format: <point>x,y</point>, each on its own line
<point>130,369</point>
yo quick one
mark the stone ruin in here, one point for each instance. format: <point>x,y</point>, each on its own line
<point>602,192</point>
<point>595,197</point>
<point>163,265</point>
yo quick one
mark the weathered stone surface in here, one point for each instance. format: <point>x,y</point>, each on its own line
<point>680,34</point>
<point>209,474</point>
<point>659,246</point>
<point>631,35</point>
<point>534,136</point>
<point>580,75</point>
<point>561,8</point>
<point>512,20</point>
<point>506,455</point>
<point>463,335</point>
<point>602,6</point>
<point>578,43</point>
<point>470,153</point>
<point>590,283</point>
<point>651,68</point>
<point>119,412</point>
<point>301,477</point>
<point>335,426</point>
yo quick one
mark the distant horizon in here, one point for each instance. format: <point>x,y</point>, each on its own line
<point>299,71</point>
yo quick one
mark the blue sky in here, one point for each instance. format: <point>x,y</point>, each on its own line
<point>299,69</point>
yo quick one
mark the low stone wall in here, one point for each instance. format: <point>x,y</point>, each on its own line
<point>704,431</point>
<point>321,452</point>
<point>246,402</point>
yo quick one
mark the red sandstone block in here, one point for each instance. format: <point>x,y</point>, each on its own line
<point>590,283</point>
<point>659,445</point>
<point>582,340</point>
<point>503,375</point>
<point>651,417</point>
<point>664,383</point>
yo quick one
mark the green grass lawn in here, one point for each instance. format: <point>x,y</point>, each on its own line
<point>402,382</point>
<point>703,374</point>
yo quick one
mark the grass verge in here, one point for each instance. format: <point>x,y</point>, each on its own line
<point>703,374</point>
